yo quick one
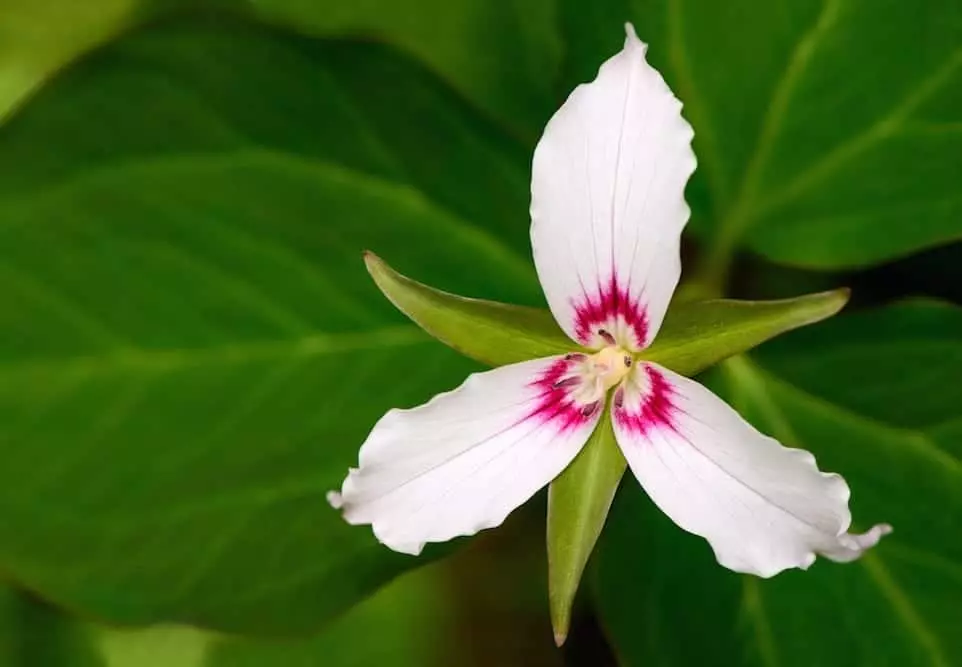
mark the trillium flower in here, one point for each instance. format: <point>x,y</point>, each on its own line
<point>607,215</point>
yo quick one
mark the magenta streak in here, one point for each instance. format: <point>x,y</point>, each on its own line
<point>554,403</point>
<point>656,410</point>
<point>604,309</point>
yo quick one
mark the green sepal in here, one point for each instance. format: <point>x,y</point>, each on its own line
<point>694,336</point>
<point>487,331</point>
<point>697,335</point>
<point>578,503</point>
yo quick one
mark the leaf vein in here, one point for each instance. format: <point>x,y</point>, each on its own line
<point>882,129</point>
<point>172,359</point>
<point>902,605</point>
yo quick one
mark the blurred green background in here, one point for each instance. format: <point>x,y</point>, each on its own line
<point>191,351</point>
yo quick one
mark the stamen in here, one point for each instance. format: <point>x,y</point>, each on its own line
<point>608,338</point>
<point>575,356</point>
<point>567,382</point>
<point>610,366</point>
<point>619,398</point>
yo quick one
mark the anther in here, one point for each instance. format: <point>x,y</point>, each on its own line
<point>567,382</point>
<point>574,356</point>
<point>619,398</point>
<point>627,361</point>
<point>606,336</point>
<point>590,409</point>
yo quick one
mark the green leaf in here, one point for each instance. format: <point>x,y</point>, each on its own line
<point>875,397</point>
<point>411,618</point>
<point>502,58</point>
<point>189,342</point>
<point>827,134</point>
<point>813,150</point>
<point>33,634</point>
<point>409,622</point>
<point>424,618</point>
<point>38,37</point>
<point>158,646</point>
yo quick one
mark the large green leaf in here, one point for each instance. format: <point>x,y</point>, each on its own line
<point>813,147</point>
<point>503,56</point>
<point>412,616</point>
<point>875,396</point>
<point>32,634</point>
<point>827,132</point>
<point>436,616</point>
<point>38,37</point>
<point>190,349</point>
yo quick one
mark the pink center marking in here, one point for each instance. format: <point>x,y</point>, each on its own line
<point>656,409</point>
<point>604,310</point>
<point>554,402</point>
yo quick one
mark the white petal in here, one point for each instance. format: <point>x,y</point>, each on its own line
<point>762,507</point>
<point>464,460</point>
<point>607,202</point>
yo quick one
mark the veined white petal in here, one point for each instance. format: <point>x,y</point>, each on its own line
<point>463,461</point>
<point>607,202</point>
<point>762,507</point>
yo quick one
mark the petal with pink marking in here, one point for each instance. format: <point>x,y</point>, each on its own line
<point>607,202</point>
<point>762,507</point>
<point>463,461</point>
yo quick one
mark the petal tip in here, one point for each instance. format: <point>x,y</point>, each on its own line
<point>873,535</point>
<point>335,499</point>
<point>631,37</point>
<point>836,299</point>
<point>370,259</point>
<point>401,546</point>
<point>851,546</point>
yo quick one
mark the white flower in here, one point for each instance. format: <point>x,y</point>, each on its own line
<point>607,214</point>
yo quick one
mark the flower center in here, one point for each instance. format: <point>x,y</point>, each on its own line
<point>610,365</point>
